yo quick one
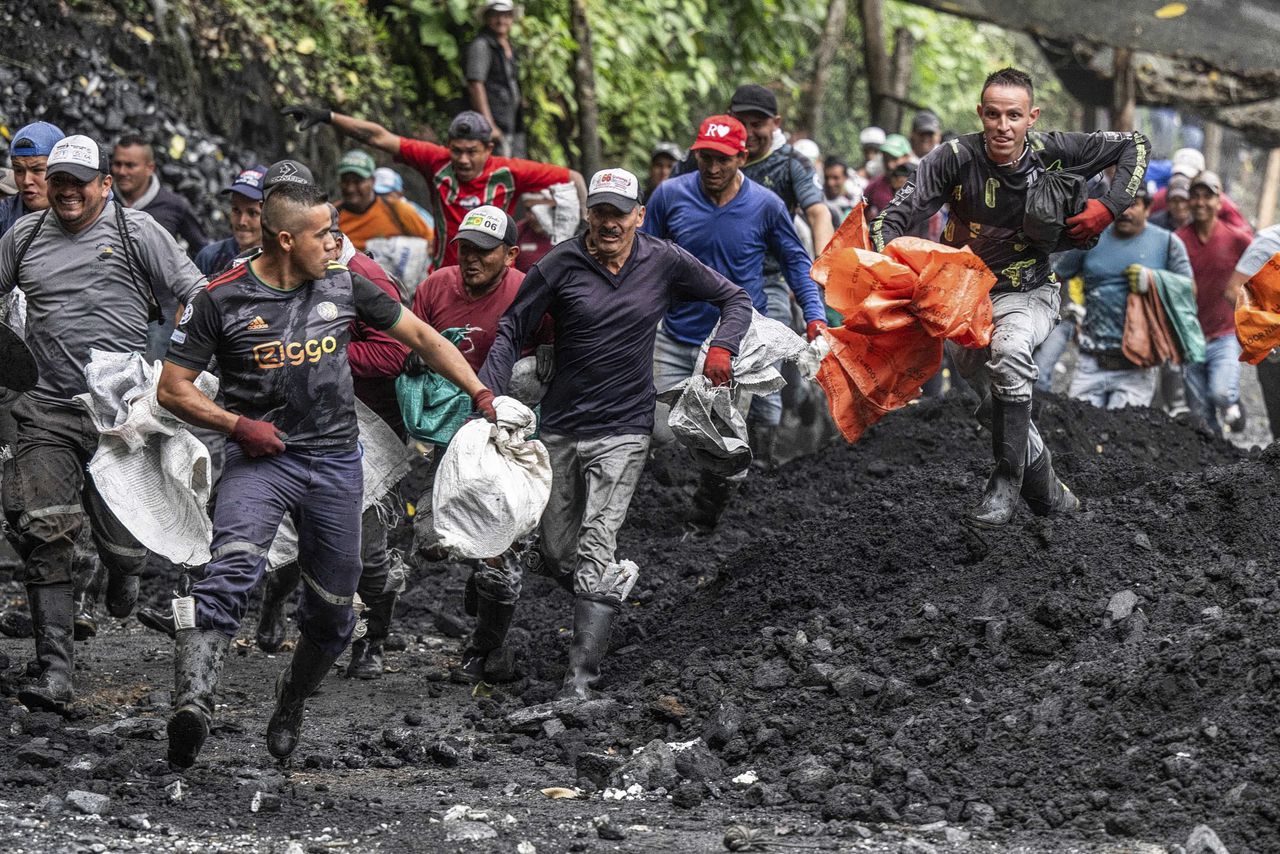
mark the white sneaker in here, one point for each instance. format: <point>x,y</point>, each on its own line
<point>1233,417</point>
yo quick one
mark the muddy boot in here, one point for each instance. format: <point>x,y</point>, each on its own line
<point>277,587</point>
<point>492,621</point>
<point>1044,493</point>
<point>122,593</point>
<point>366,652</point>
<point>710,501</point>
<point>197,666</point>
<point>86,600</point>
<point>299,681</point>
<point>592,619</point>
<point>1009,425</point>
<point>763,439</point>
<point>158,620</point>
<point>52,609</point>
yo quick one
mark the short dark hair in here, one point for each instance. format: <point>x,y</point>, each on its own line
<point>133,140</point>
<point>1010,77</point>
<point>835,161</point>
<point>287,202</point>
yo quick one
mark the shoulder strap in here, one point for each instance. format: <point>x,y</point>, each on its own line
<point>126,238</point>
<point>395,215</point>
<point>26,244</point>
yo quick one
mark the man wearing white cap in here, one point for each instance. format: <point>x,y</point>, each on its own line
<point>91,274</point>
<point>493,77</point>
<point>606,290</point>
<point>872,162</point>
<point>1187,164</point>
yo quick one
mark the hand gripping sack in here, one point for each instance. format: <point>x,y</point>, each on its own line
<point>492,485</point>
<point>1050,201</point>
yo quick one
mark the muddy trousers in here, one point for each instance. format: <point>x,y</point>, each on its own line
<point>322,492</point>
<point>48,495</point>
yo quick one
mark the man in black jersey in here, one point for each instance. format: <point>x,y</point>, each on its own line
<point>279,326</point>
<point>985,178</point>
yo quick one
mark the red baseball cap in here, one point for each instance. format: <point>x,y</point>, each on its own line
<point>722,134</point>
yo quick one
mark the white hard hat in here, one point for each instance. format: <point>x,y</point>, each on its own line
<point>872,137</point>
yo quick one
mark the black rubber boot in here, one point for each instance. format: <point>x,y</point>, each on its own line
<point>122,593</point>
<point>710,501</point>
<point>86,601</point>
<point>1009,425</point>
<point>158,620</point>
<point>763,439</point>
<point>277,587</point>
<point>299,681</point>
<point>197,667</point>
<point>492,621</point>
<point>52,610</point>
<point>366,652</point>
<point>1044,493</point>
<point>592,620</point>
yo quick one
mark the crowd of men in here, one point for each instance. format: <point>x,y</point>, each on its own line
<point>300,316</point>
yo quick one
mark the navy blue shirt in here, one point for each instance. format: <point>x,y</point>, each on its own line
<point>605,326</point>
<point>732,239</point>
<point>11,210</point>
<point>216,257</point>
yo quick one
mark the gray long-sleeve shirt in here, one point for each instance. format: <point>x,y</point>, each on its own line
<point>605,326</point>
<point>80,295</point>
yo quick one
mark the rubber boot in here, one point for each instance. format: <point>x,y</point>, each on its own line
<point>299,681</point>
<point>86,600</point>
<point>277,587</point>
<point>52,611</point>
<point>122,593</point>
<point>492,621</point>
<point>710,500</point>
<point>763,440</point>
<point>366,652</point>
<point>1009,425</point>
<point>1044,493</point>
<point>592,620</point>
<point>158,620</point>
<point>197,667</point>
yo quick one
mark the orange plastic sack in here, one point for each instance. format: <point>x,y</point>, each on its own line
<point>1258,313</point>
<point>898,307</point>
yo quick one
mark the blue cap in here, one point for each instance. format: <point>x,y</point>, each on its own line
<point>35,140</point>
<point>387,181</point>
<point>248,183</point>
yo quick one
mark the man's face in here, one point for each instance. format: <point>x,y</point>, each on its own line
<point>1179,211</point>
<point>357,192</point>
<point>890,163</point>
<point>1007,115</point>
<point>833,180</point>
<point>660,169</point>
<point>499,22</point>
<point>871,152</point>
<point>28,174</point>
<point>246,221</point>
<point>1132,220</point>
<point>132,168</point>
<point>717,170</point>
<point>613,231</point>
<point>481,268</point>
<point>77,204</point>
<point>924,141</point>
<point>760,130</point>
<point>313,246</point>
<point>468,157</point>
<point>1205,204</point>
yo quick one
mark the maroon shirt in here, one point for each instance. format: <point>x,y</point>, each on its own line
<point>1213,262</point>
<point>376,358</point>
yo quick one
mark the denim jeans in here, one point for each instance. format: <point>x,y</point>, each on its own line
<point>1214,384</point>
<point>1112,389</point>
<point>1049,353</point>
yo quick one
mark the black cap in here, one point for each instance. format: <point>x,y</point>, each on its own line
<point>754,98</point>
<point>285,172</point>
<point>470,125</point>
<point>926,121</point>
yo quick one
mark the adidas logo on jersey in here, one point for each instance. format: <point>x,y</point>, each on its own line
<point>257,323</point>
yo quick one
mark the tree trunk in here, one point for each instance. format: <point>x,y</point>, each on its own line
<point>1270,190</point>
<point>1124,93</point>
<point>1213,147</point>
<point>584,81</point>
<point>810,119</point>
<point>904,46</point>
<point>876,60</point>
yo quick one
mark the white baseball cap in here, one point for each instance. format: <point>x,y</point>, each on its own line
<point>872,137</point>
<point>486,227</point>
<point>78,156</point>
<point>497,6</point>
<point>616,187</point>
<point>807,149</point>
<point>1188,161</point>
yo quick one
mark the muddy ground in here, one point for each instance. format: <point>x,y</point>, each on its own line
<point>843,666</point>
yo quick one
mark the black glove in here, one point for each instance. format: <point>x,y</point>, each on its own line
<point>413,365</point>
<point>308,117</point>
<point>545,360</point>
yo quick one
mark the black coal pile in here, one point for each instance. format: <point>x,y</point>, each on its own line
<point>846,639</point>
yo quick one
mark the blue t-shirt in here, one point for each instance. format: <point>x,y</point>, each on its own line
<point>1106,288</point>
<point>216,257</point>
<point>732,239</point>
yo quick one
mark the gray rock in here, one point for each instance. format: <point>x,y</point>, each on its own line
<point>553,727</point>
<point>87,803</point>
<point>40,756</point>
<point>765,795</point>
<point>724,725</point>
<point>653,767</point>
<point>469,831</point>
<point>51,805</point>
<point>602,769</point>
<point>606,829</point>
<point>697,763</point>
<point>132,728</point>
<point>530,718</point>
<point>1121,606</point>
<point>817,675</point>
<point>772,674</point>
<point>850,682</point>
<point>1204,841</point>
<point>688,795</point>
<point>137,821</point>
<point>979,814</point>
<point>810,782</point>
<point>584,714</point>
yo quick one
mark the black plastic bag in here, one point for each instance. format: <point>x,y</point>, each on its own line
<point>1050,201</point>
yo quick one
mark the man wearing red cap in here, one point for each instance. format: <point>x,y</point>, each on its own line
<point>730,223</point>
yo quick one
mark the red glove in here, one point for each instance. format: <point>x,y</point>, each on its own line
<point>1089,222</point>
<point>718,366</point>
<point>483,402</point>
<point>814,329</point>
<point>257,438</point>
